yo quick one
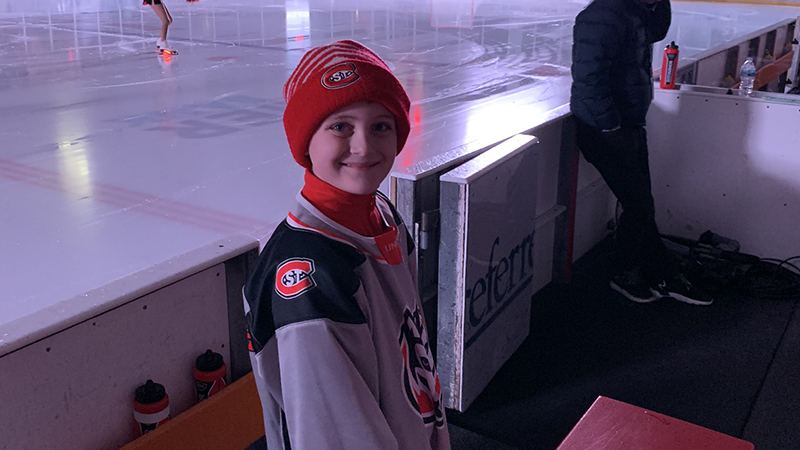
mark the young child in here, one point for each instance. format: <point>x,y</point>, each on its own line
<point>338,341</point>
<point>166,20</point>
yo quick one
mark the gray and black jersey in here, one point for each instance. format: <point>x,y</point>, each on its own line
<point>338,341</point>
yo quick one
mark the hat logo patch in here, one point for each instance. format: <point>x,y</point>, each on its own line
<point>340,75</point>
<point>293,277</point>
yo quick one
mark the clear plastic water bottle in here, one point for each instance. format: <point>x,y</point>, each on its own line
<point>747,75</point>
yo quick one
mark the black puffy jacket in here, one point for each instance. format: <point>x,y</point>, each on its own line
<point>612,60</point>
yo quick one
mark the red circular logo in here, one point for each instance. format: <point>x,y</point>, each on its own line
<point>340,75</point>
<point>293,277</point>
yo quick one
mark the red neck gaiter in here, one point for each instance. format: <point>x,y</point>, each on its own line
<point>353,211</point>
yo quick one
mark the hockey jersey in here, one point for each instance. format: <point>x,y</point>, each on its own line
<point>338,341</point>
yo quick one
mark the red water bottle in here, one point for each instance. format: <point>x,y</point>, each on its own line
<point>669,66</point>
<point>150,407</point>
<point>209,374</point>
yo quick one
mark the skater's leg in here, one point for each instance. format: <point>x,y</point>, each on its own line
<point>166,19</point>
<point>169,16</point>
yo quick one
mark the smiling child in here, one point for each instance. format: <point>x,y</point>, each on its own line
<point>338,341</point>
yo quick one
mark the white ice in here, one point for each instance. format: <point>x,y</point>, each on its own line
<point>114,159</point>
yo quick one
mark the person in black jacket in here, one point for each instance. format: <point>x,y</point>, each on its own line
<point>612,59</point>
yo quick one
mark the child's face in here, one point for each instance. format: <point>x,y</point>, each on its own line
<point>354,148</point>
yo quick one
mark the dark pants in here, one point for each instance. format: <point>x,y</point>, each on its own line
<point>622,159</point>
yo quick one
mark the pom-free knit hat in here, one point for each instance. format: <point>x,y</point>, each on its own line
<point>331,77</point>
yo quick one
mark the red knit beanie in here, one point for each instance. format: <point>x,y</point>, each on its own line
<point>331,77</point>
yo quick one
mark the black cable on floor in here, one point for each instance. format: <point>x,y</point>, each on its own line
<point>762,278</point>
<point>771,281</point>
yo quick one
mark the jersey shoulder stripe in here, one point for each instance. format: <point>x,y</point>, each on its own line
<point>299,276</point>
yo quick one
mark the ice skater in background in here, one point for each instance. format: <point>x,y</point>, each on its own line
<point>166,20</point>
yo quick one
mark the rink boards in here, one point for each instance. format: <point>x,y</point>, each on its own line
<point>195,213</point>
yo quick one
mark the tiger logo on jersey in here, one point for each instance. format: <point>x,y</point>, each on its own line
<point>294,277</point>
<point>419,374</point>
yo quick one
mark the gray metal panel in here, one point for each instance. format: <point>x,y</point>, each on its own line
<point>450,338</point>
<point>486,270</point>
<point>403,198</point>
<point>417,201</point>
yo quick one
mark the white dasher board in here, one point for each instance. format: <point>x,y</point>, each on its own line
<point>485,266</point>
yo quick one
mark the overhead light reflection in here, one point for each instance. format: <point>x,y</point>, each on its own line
<point>72,156</point>
<point>298,20</point>
<point>73,168</point>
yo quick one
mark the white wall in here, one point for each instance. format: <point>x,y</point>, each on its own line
<point>729,164</point>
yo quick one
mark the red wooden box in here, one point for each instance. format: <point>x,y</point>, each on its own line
<point>613,425</point>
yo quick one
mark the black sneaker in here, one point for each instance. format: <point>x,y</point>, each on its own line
<point>632,286</point>
<point>682,290</point>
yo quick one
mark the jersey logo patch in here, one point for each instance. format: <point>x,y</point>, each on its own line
<point>340,75</point>
<point>421,383</point>
<point>293,277</point>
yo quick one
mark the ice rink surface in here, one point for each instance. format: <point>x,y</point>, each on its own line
<point>114,159</point>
